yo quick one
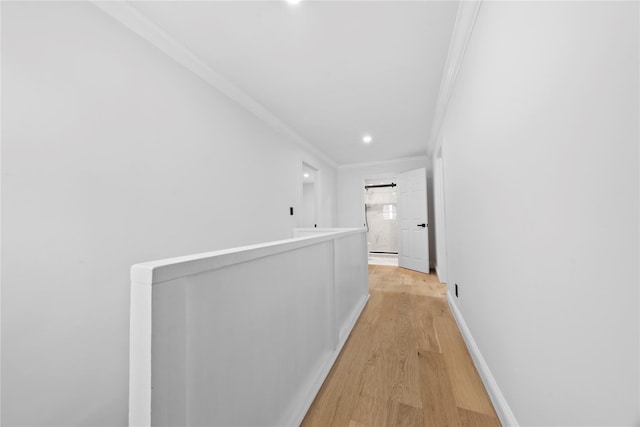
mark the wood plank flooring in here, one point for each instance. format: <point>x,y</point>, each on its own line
<point>405,363</point>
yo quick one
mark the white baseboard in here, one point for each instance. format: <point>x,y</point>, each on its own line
<point>440,278</point>
<point>497,398</point>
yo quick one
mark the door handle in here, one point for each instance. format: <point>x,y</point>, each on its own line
<point>422,225</point>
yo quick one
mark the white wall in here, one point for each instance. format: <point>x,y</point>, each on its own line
<point>113,154</point>
<point>541,170</point>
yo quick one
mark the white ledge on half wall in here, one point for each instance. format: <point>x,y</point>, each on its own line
<point>155,272</point>
<point>205,315</point>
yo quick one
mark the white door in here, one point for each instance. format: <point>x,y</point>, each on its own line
<point>413,220</point>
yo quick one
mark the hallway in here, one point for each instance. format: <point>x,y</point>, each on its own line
<point>405,362</point>
<point>135,131</point>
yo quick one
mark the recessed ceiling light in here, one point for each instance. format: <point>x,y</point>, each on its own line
<point>367,139</point>
<point>306,175</point>
<point>293,1</point>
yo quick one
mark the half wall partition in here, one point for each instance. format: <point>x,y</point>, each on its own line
<point>244,336</point>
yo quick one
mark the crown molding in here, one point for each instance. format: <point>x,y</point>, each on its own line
<point>131,18</point>
<point>462,29</point>
<point>382,162</point>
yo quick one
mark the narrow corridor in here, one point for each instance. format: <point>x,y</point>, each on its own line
<point>405,362</point>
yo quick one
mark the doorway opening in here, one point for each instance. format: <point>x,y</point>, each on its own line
<point>381,220</point>
<point>310,193</point>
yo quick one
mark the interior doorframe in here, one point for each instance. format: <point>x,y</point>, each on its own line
<point>317,184</point>
<point>382,176</point>
<point>391,176</point>
<point>440,213</point>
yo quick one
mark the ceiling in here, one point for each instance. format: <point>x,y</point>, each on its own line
<point>332,71</point>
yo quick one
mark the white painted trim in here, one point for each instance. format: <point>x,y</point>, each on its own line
<point>0,222</point>
<point>384,162</point>
<point>340,336</point>
<point>131,18</point>
<point>333,331</point>
<point>497,398</point>
<point>142,322</point>
<point>438,274</point>
<point>462,29</point>
<point>308,231</point>
<point>326,367</point>
<point>439,210</point>
<point>155,272</point>
<point>317,187</point>
<point>140,326</point>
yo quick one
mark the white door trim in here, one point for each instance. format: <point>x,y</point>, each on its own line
<point>317,184</point>
<point>440,215</point>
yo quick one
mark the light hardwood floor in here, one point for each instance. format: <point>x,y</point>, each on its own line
<point>405,362</point>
